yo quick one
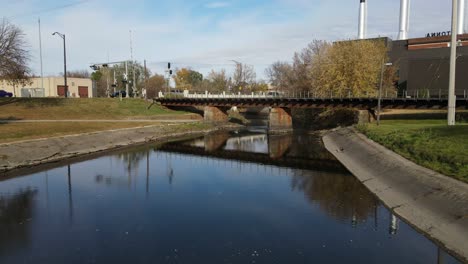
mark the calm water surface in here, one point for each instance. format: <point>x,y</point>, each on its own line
<point>223,198</point>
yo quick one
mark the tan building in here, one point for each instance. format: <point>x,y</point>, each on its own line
<point>53,87</point>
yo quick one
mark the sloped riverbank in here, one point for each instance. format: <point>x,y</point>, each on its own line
<point>433,203</point>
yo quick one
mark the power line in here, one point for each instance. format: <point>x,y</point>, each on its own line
<point>46,10</point>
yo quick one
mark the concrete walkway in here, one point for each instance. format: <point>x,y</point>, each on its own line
<point>433,203</point>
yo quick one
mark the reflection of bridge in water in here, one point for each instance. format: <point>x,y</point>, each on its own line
<point>276,150</point>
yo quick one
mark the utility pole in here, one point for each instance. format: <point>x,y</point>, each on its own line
<point>146,82</point>
<point>453,65</point>
<point>379,102</point>
<point>107,77</point>
<point>169,73</point>
<point>126,79</point>
<point>40,56</point>
<point>64,61</point>
<point>133,65</point>
<point>115,82</point>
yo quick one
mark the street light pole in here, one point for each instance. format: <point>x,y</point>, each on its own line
<point>64,61</point>
<point>453,64</point>
<point>379,102</point>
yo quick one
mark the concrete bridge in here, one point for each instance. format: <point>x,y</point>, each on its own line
<point>215,107</point>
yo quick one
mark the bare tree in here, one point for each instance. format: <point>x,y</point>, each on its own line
<point>219,81</point>
<point>281,75</point>
<point>244,75</point>
<point>13,55</point>
<point>157,83</point>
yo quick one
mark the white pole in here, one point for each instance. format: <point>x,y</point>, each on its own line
<point>40,55</point>
<point>362,19</point>
<point>404,19</point>
<point>453,64</point>
<point>365,19</point>
<point>461,16</point>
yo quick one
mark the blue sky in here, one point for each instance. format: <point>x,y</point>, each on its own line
<point>204,34</point>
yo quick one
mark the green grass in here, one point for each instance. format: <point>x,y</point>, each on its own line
<point>92,108</point>
<point>430,143</point>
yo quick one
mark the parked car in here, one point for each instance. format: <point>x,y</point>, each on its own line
<point>119,93</point>
<point>4,93</point>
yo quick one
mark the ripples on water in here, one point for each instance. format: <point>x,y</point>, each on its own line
<point>223,198</point>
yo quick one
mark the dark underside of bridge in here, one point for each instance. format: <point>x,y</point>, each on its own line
<point>280,109</point>
<point>355,103</point>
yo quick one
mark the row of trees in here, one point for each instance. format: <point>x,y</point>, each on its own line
<point>322,68</point>
<point>337,69</point>
<point>243,80</point>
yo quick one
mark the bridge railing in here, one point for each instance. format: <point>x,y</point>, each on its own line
<point>417,94</point>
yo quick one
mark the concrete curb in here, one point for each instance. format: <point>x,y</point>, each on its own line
<point>26,154</point>
<point>433,203</point>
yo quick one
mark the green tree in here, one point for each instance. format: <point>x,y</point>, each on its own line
<point>187,79</point>
<point>350,67</point>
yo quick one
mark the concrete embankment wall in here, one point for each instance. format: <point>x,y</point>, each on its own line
<point>40,151</point>
<point>433,203</point>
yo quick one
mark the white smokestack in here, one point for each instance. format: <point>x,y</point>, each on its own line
<point>362,30</point>
<point>404,19</point>
<point>461,17</point>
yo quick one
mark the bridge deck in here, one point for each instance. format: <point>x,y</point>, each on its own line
<point>357,103</point>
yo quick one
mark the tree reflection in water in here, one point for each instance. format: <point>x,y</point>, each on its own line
<point>340,196</point>
<point>16,210</point>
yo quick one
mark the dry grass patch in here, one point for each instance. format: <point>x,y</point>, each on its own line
<point>11,132</point>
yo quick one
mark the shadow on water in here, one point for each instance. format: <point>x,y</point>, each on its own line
<point>16,212</point>
<point>340,196</point>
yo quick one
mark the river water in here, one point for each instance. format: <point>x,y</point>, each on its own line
<point>223,198</point>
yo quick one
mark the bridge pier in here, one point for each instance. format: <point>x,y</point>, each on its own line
<point>278,145</point>
<point>280,119</point>
<point>365,116</point>
<point>216,141</point>
<point>214,114</point>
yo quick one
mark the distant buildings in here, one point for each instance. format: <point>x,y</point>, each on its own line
<point>423,65</point>
<point>53,87</point>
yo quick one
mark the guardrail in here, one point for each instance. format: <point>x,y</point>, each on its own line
<point>311,95</point>
<point>426,94</point>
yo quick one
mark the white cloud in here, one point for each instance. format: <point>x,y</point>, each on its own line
<point>213,5</point>
<point>257,36</point>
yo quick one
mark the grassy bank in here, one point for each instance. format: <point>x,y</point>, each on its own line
<point>430,143</point>
<point>91,108</point>
<point>23,131</point>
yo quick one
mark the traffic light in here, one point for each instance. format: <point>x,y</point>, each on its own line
<point>168,65</point>
<point>170,72</point>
